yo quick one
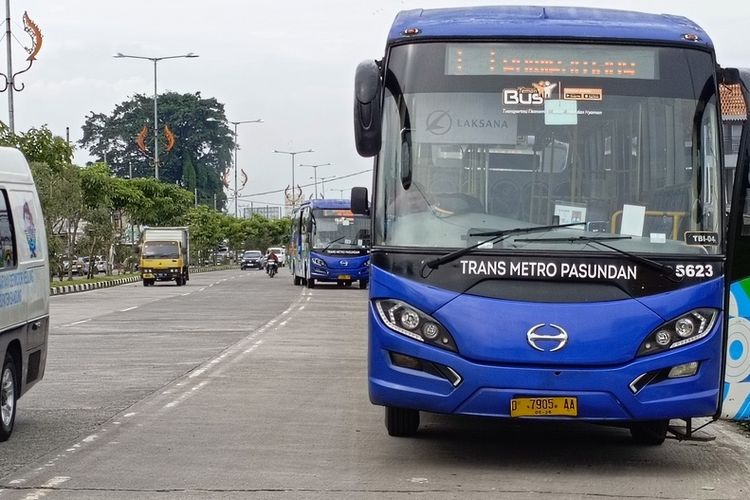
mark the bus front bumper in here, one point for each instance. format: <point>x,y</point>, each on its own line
<point>603,393</point>
<point>339,274</point>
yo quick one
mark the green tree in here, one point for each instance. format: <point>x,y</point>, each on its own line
<point>206,231</point>
<point>202,139</point>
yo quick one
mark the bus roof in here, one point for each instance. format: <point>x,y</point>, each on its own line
<point>330,204</point>
<point>547,22</point>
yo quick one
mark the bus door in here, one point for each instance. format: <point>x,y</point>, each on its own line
<point>736,390</point>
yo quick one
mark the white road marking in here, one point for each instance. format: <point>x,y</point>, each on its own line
<point>128,415</point>
<point>44,489</point>
<point>79,322</point>
<point>186,395</point>
<point>202,289</point>
<point>186,294</point>
<point>90,439</point>
<point>128,309</point>
<point>301,308</point>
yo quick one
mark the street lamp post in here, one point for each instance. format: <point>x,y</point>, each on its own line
<point>323,183</point>
<point>293,154</point>
<point>236,215</point>
<point>315,173</point>
<point>155,60</point>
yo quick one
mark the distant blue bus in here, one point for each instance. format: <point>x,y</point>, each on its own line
<point>329,244</point>
<point>549,230</point>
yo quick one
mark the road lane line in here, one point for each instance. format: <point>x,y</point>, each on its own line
<point>79,322</point>
<point>301,308</point>
<point>186,395</point>
<point>46,487</point>
<point>186,294</point>
<point>128,309</point>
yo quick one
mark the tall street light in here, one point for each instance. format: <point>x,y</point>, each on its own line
<point>315,173</point>
<point>236,146</point>
<point>155,60</point>
<point>323,184</point>
<point>293,154</point>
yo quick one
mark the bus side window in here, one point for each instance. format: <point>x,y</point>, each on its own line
<point>8,258</point>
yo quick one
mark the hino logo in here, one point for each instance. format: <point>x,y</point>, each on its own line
<point>344,263</point>
<point>534,338</point>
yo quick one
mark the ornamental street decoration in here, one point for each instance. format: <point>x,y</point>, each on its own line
<point>11,85</point>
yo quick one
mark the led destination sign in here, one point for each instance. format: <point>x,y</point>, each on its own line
<point>551,60</point>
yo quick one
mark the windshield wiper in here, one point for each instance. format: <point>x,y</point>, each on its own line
<point>666,270</point>
<point>495,237</point>
<point>331,243</point>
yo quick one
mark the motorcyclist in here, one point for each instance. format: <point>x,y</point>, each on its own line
<point>271,257</point>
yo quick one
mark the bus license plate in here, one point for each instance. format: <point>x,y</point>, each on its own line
<point>544,407</point>
<point>344,277</point>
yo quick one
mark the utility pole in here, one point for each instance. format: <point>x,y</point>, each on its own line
<point>236,147</point>
<point>315,175</point>
<point>293,154</point>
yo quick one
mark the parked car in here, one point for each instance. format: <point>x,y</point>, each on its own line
<point>100,265</point>
<point>75,262</point>
<point>251,258</point>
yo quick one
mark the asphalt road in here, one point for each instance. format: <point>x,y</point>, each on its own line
<point>242,386</point>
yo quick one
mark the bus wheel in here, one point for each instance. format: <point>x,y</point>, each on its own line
<point>8,397</point>
<point>297,281</point>
<point>652,433</point>
<point>310,282</point>
<point>362,284</point>
<point>401,422</point>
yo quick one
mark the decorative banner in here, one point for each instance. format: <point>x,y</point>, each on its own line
<point>170,138</point>
<point>140,140</point>
<point>36,36</point>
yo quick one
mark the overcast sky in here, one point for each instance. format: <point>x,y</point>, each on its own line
<point>289,62</point>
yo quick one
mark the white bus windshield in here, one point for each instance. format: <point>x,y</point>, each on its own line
<point>491,136</point>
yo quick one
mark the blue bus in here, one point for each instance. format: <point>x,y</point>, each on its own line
<point>550,239</point>
<point>329,244</point>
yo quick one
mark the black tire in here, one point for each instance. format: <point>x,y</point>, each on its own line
<point>297,281</point>
<point>401,422</point>
<point>178,280</point>
<point>362,284</point>
<point>8,397</point>
<point>652,433</point>
<point>145,282</point>
<point>310,282</point>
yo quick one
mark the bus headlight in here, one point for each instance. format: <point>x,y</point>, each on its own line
<point>684,330</point>
<point>410,321</point>
<point>318,261</point>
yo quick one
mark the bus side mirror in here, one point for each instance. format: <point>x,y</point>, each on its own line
<point>367,112</point>
<point>360,204</point>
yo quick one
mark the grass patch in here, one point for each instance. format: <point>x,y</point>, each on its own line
<point>96,279</point>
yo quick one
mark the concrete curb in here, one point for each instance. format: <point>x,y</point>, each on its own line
<point>66,289</point>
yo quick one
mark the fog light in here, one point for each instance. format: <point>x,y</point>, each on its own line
<point>663,337</point>
<point>684,327</point>
<point>405,361</point>
<point>686,370</point>
<point>410,319</point>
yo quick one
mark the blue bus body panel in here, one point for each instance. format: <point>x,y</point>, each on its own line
<point>736,403</point>
<point>498,364</point>
<point>547,22</point>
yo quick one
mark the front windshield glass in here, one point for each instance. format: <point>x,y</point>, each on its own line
<point>492,136</point>
<point>340,229</point>
<point>161,250</point>
<point>251,254</point>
